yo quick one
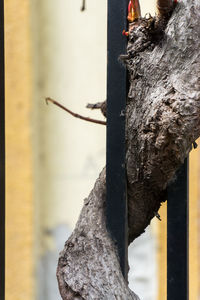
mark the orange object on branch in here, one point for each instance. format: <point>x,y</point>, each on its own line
<point>134,11</point>
<point>126,33</point>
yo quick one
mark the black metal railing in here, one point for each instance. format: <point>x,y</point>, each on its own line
<point>115,158</point>
<point>177,237</point>
<point>2,155</point>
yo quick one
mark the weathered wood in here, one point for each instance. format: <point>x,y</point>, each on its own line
<point>162,114</point>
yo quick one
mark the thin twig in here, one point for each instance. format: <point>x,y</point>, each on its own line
<point>74,114</point>
<point>83,6</point>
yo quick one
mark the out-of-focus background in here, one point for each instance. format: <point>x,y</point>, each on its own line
<point>53,49</point>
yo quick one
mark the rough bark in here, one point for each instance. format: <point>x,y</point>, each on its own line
<point>163,121</point>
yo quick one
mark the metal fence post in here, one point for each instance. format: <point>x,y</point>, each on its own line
<point>116,209</point>
<point>2,156</point>
<point>178,237</point>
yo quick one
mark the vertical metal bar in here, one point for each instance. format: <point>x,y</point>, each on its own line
<point>177,236</point>
<point>2,155</point>
<point>116,209</point>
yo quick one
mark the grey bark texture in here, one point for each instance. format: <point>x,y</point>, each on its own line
<point>162,122</point>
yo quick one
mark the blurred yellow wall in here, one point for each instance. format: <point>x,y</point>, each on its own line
<point>19,198</point>
<point>193,223</point>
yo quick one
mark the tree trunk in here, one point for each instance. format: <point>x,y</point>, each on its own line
<point>162,122</point>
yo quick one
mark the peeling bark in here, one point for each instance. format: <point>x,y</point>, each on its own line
<point>162,122</point>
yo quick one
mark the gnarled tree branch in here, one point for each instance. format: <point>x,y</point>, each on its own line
<point>162,117</point>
